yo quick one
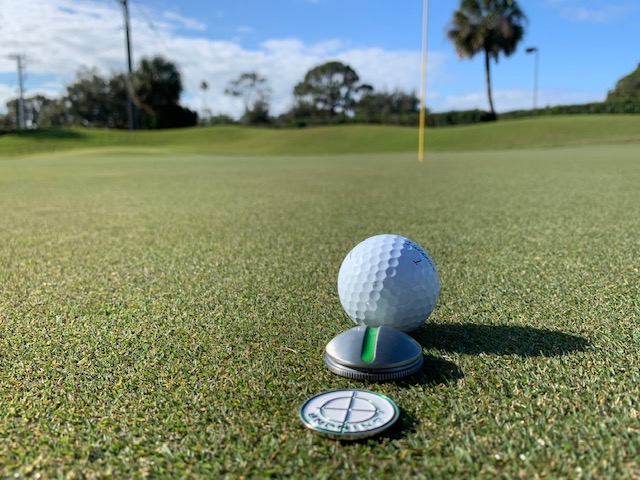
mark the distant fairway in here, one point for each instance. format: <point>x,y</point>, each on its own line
<point>541,132</point>
<point>163,311</point>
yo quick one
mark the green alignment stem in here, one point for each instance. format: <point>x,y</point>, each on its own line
<point>369,344</point>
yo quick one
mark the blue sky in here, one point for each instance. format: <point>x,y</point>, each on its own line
<point>584,47</point>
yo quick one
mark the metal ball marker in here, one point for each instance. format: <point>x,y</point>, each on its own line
<point>348,414</point>
<point>373,353</point>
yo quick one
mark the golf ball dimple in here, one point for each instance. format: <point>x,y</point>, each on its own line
<point>388,280</point>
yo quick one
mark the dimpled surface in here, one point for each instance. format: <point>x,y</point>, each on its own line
<point>388,280</point>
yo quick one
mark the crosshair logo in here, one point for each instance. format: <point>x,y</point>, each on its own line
<point>349,414</point>
<point>348,410</point>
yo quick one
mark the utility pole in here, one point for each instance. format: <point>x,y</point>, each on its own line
<point>131,112</point>
<point>22,121</point>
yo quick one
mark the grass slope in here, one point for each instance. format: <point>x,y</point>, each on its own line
<point>233,140</point>
<point>166,315</point>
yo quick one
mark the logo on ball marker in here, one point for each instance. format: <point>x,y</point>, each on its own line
<point>349,414</point>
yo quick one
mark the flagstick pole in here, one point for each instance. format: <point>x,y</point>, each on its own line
<point>423,87</point>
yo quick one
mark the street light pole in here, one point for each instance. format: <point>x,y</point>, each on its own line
<point>423,86</point>
<point>536,51</point>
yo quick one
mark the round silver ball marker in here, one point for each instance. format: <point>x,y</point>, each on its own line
<point>373,353</point>
<point>348,414</point>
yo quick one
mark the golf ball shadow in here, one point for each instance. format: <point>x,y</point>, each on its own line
<point>475,339</point>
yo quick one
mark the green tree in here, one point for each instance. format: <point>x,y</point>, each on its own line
<point>55,114</point>
<point>157,83</point>
<point>331,88</point>
<point>395,107</point>
<point>301,114</point>
<point>158,86</point>
<point>488,26</point>
<point>252,88</point>
<point>97,101</point>
<point>88,99</point>
<point>627,87</point>
<point>91,100</point>
<point>118,101</point>
<point>33,108</point>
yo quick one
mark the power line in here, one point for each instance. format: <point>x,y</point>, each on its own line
<point>150,23</point>
<point>162,37</point>
<point>157,32</point>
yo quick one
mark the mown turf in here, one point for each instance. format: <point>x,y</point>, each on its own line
<point>165,315</point>
<point>539,132</point>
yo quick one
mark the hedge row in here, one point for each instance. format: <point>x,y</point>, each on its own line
<point>452,118</point>
<point>444,119</point>
<point>620,105</point>
<point>615,106</point>
<point>469,117</point>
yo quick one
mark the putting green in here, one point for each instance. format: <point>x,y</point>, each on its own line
<point>165,315</point>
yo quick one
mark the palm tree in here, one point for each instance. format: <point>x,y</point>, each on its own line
<point>490,26</point>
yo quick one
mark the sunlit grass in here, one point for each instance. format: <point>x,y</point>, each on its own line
<point>166,315</point>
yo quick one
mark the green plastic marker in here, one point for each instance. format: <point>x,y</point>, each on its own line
<point>369,344</point>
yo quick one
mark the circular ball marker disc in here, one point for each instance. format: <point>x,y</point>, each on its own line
<point>349,414</point>
<point>373,354</point>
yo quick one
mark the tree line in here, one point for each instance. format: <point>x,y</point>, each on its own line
<point>328,93</point>
<point>94,100</point>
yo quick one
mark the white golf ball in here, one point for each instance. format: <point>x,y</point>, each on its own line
<point>388,280</point>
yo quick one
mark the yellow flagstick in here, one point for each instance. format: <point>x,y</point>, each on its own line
<point>423,87</point>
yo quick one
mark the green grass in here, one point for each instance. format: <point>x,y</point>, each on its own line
<point>552,131</point>
<point>165,315</point>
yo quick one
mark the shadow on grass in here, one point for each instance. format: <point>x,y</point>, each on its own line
<point>52,134</point>
<point>406,425</point>
<point>435,371</point>
<point>474,339</point>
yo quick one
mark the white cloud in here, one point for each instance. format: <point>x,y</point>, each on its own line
<point>7,92</point>
<point>505,100</point>
<point>58,37</point>
<point>594,11</point>
<point>65,35</point>
<point>389,70</point>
